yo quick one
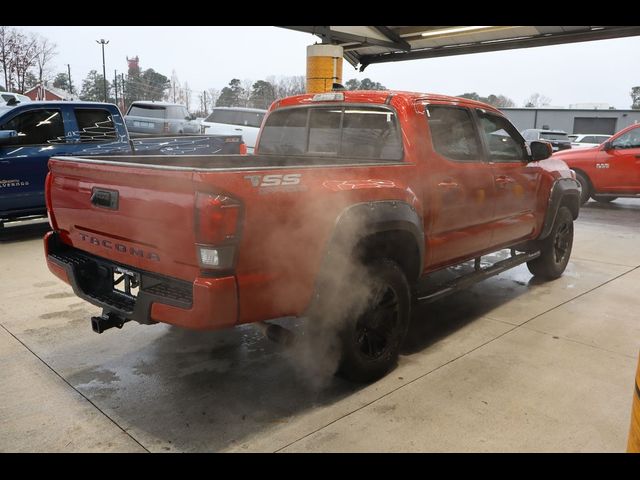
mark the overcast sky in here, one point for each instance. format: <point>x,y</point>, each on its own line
<point>208,57</point>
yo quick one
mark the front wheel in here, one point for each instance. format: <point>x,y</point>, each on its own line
<point>370,340</point>
<point>555,250</point>
<point>585,185</point>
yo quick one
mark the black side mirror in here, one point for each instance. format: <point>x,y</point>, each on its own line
<point>607,146</point>
<point>540,150</point>
<point>12,101</point>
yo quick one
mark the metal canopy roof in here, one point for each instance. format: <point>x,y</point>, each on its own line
<point>364,46</point>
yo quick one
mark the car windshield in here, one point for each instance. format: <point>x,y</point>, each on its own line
<point>554,136</point>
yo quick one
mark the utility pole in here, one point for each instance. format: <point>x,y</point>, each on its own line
<point>103,42</point>
<point>70,84</point>
<point>115,84</point>
<point>124,101</point>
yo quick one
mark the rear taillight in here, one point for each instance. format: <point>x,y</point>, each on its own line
<point>165,128</point>
<point>47,198</point>
<point>243,148</point>
<point>216,225</point>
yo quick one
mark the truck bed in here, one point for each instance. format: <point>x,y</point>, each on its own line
<point>225,162</point>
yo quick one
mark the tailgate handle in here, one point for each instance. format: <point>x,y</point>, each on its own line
<point>104,198</point>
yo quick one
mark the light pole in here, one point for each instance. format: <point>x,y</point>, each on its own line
<point>103,42</point>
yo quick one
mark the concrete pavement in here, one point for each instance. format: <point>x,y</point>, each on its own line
<point>511,364</point>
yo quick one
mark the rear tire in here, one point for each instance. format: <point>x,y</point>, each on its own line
<point>604,199</point>
<point>586,187</point>
<point>370,341</point>
<point>555,250</point>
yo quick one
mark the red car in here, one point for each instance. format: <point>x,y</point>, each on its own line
<point>610,170</point>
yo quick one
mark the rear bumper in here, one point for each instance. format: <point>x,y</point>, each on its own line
<point>204,304</point>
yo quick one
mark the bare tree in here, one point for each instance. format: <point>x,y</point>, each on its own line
<point>246,92</point>
<point>45,51</point>
<point>212,97</point>
<point>24,54</point>
<point>537,100</point>
<point>7,39</point>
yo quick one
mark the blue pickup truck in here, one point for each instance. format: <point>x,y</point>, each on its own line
<point>31,133</point>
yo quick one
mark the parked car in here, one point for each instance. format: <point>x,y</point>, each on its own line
<point>235,120</point>
<point>580,140</point>
<point>160,118</point>
<point>610,170</point>
<point>32,132</point>
<point>10,99</point>
<point>351,198</point>
<point>558,139</point>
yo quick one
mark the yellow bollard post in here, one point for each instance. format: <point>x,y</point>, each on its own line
<point>633,444</point>
<point>324,67</point>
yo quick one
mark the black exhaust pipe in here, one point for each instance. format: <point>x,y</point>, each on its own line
<point>106,321</point>
<point>276,333</point>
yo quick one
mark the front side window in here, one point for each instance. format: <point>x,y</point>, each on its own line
<point>503,140</point>
<point>95,125</point>
<point>342,131</point>
<point>36,127</point>
<point>452,133</point>
<point>631,139</point>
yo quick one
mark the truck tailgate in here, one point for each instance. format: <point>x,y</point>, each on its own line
<point>139,216</point>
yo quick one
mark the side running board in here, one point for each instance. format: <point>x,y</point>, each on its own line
<point>477,275</point>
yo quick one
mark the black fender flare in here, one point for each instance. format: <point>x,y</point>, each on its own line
<point>359,221</point>
<point>564,192</point>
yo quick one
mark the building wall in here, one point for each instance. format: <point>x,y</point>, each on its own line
<point>564,119</point>
<point>33,95</point>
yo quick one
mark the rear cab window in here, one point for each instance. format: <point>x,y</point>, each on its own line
<point>350,131</point>
<point>150,111</point>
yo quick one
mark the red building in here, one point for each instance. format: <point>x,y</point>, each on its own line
<point>44,92</point>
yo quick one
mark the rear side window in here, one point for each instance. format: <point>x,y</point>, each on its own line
<point>251,119</point>
<point>36,127</point>
<point>95,125</point>
<point>354,132</point>
<point>554,136</point>
<point>147,111</point>
<point>452,133</point>
<point>236,117</point>
<point>228,117</point>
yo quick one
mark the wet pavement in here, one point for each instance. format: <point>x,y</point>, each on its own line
<point>511,364</point>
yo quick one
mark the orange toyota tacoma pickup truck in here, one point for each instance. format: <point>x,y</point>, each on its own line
<point>350,199</point>
<point>610,170</point>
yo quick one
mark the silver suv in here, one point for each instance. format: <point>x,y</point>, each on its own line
<point>159,118</point>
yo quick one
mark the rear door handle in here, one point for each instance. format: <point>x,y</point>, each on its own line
<point>448,184</point>
<point>3,162</point>
<point>502,181</point>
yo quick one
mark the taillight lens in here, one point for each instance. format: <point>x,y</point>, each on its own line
<point>47,199</point>
<point>216,226</point>
<point>243,148</point>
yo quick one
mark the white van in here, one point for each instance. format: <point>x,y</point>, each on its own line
<point>235,121</point>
